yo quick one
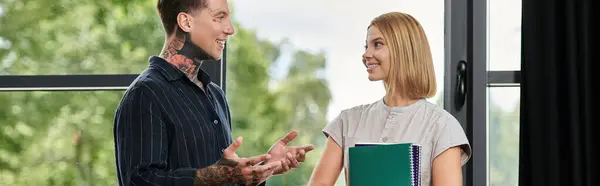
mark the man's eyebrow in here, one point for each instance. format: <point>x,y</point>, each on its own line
<point>217,11</point>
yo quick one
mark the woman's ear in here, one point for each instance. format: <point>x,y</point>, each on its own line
<point>184,21</point>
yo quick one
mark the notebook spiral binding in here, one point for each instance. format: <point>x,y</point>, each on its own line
<point>412,163</point>
<point>415,161</point>
<point>419,165</point>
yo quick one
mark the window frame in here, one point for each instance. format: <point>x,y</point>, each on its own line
<point>95,82</point>
<point>466,39</point>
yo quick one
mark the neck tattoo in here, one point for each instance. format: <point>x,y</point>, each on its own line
<point>187,57</point>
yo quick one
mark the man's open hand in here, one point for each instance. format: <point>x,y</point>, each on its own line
<point>233,169</point>
<point>289,156</point>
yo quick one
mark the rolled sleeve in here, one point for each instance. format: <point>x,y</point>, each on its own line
<point>452,135</point>
<point>334,129</point>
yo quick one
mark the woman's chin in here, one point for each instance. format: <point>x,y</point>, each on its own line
<point>372,77</point>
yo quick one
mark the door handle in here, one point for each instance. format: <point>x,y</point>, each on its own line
<point>460,91</point>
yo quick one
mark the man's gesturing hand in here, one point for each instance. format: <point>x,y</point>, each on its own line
<point>289,156</point>
<point>233,169</point>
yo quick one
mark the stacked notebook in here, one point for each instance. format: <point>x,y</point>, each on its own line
<point>384,164</point>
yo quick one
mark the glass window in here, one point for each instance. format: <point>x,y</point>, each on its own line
<point>77,37</point>
<point>503,127</point>
<point>504,31</point>
<point>57,138</point>
<point>303,60</point>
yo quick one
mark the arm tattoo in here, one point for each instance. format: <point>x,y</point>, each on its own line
<point>223,172</point>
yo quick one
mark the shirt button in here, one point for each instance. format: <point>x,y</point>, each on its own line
<point>216,122</point>
<point>384,139</point>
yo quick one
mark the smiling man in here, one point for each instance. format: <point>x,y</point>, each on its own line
<point>173,127</point>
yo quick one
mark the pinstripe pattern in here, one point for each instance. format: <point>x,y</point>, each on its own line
<point>166,127</point>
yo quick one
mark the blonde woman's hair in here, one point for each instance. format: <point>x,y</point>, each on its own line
<point>411,64</point>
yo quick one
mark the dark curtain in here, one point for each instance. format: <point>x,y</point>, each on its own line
<point>558,134</point>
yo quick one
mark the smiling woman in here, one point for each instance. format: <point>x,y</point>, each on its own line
<point>398,54</point>
<point>397,42</point>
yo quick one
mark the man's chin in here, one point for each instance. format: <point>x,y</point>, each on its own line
<point>215,57</point>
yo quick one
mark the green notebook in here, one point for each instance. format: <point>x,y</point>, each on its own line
<point>377,164</point>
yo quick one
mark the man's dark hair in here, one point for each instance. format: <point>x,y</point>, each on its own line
<point>169,9</point>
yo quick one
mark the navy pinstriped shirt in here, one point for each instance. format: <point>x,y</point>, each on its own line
<point>166,127</point>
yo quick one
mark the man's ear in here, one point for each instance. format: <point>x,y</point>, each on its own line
<point>184,21</point>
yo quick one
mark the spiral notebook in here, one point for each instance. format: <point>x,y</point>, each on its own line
<point>384,164</point>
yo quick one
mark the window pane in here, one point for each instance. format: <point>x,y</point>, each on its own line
<point>291,55</point>
<point>504,34</point>
<point>77,37</point>
<point>57,138</point>
<point>503,123</point>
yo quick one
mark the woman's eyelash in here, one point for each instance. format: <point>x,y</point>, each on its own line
<point>377,43</point>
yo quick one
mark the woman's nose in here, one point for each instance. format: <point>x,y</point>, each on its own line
<point>367,54</point>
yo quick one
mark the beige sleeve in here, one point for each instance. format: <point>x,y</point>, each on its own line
<point>452,135</point>
<point>335,129</point>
